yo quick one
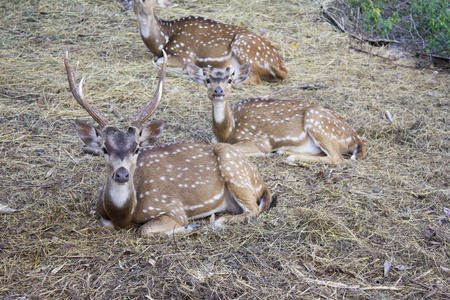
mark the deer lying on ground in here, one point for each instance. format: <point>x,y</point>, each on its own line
<point>261,126</point>
<point>159,189</point>
<point>207,43</point>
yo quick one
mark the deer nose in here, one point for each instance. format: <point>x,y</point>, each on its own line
<point>121,175</point>
<point>218,92</point>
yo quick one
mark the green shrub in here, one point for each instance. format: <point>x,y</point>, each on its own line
<point>374,16</point>
<point>427,20</point>
<point>432,20</point>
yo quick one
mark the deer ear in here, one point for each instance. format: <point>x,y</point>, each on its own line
<point>150,133</point>
<point>90,135</point>
<point>242,74</point>
<point>196,73</point>
<point>164,3</point>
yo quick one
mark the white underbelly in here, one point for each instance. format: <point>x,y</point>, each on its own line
<point>310,147</point>
<point>221,208</point>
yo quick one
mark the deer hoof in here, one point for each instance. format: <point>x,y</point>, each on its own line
<point>107,224</point>
<point>276,153</point>
<point>186,229</point>
<point>290,158</point>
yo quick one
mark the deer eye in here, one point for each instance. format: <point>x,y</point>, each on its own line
<point>230,81</point>
<point>208,81</point>
<point>137,151</point>
<point>105,151</point>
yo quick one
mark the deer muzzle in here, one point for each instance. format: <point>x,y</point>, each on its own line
<point>218,92</point>
<point>121,175</point>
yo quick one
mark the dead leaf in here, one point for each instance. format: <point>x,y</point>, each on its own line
<point>447,211</point>
<point>121,265</point>
<point>430,293</point>
<point>387,268</point>
<point>151,261</point>
<point>6,210</point>
<point>57,269</point>
<point>429,233</point>
<point>20,228</point>
<point>387,116</point>
<point>402,267</point>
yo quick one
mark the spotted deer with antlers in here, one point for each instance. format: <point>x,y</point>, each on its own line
<point>304,131</point>
<point>158,189</point>
<point>205,43</point>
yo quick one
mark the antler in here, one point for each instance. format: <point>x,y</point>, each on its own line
<point>97,115</point>
<point>151,106</point>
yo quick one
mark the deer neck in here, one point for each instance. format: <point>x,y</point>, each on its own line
<point>119,200</point>
<point>223,120</point>
<point>154,32</point>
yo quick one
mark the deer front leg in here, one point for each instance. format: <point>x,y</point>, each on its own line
<point>310,158</point>
<point>253,77</point>
<point>165,225</point>
<point>172,61</point>
<point>250,148</point>
<point>104,219</point>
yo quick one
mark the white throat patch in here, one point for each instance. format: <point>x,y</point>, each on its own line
<point>119,194</point>
<point>144,25</point>
<point>219,111</point>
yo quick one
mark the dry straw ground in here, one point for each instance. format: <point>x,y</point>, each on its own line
<point>370,229</point>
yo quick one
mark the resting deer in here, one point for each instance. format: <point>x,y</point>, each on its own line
<point>159,189</point>
<point>207,43</point>
<point>260,126</point>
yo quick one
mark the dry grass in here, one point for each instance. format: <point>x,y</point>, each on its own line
<point>335,227</point>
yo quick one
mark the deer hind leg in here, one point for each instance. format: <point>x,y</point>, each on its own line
<point>330,148</point>
<point>239,58</point>
<point>269,72</point>
<point>254,76</point>
<point>261,70</point>
<point>243,181</point>
<point>165,225</point>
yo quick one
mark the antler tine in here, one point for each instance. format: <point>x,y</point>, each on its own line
<point>151,106</point>
<point>97,115</point>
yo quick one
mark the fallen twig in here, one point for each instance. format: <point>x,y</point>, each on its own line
<point>375,42</point>
<point>108,267</point>
<point>422,285</point>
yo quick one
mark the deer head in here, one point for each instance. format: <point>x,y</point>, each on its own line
<point>217,81</point>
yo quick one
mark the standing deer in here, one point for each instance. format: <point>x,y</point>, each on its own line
<point>159,189</point>
<point>207,43</point>
<point>259,126</point>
